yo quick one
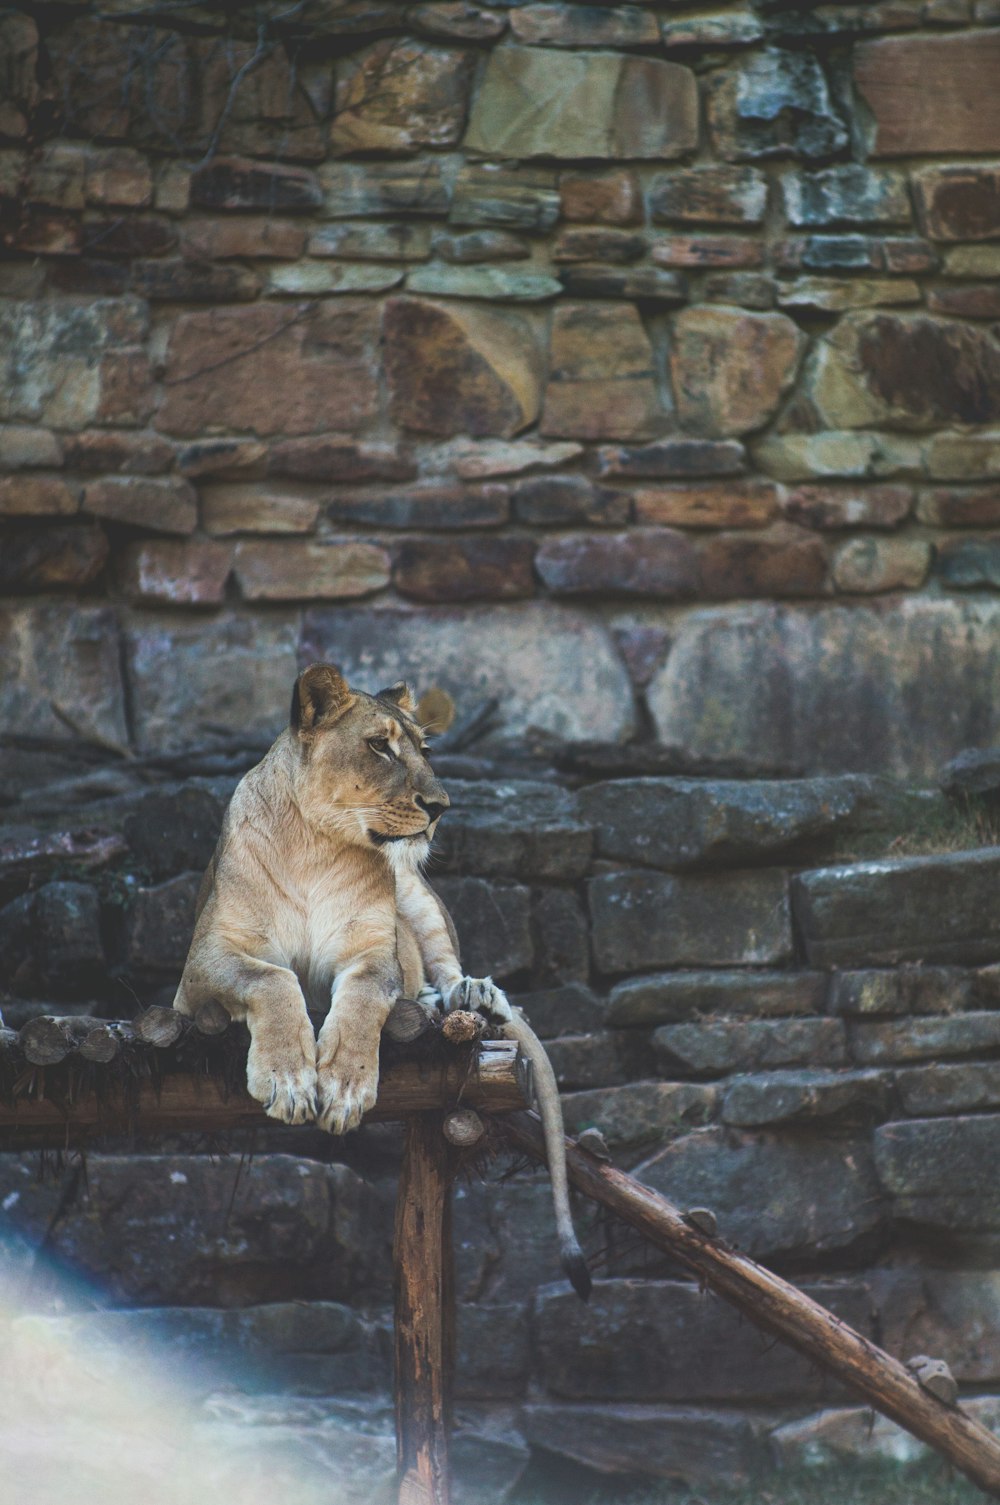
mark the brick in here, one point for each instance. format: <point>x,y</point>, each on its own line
<point>730,369</point>
<point>716,1046</point>
<point>460,19</point>
<point>919,89</point>
<point>948,508</point>
<point>439,507</point>
<point>968,563</point>
<point>708,196</point>
<point>959,203</point>
<point>605,244</point>
<point>784,562</point>
<point>551,500</point>
<point>707,251</point>
<point>657,562</point>
<point>745,504</point>
<point>847,506</point>
<point>51,557</point>
<point>164,506</point>
<point>610,197</point>
<point>282,571</point>
<point>37,495</point>
<point>247,236</point>
<point>850,195</point>
<point>972,261</point>
<point>161,573</point>
<point>498,569</point>
<point>669,459</point>
<point>837,294</point>
<point>602,382</point>
<point>241,507</point>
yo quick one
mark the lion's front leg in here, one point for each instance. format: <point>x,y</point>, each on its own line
<point>347,1058</point>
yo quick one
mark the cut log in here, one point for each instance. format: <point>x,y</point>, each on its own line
<point>780,1309</point>
<point>461,1026</point>
<point>463,1128</point>
<point>212,1018</point>
<point>102,1040</point>
<point>48,1039</point>
<point>159,1026</point>
<point>407,1021</point>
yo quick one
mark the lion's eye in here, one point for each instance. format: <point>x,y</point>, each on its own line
<point>379,745</point>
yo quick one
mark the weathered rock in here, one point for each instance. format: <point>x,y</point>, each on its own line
<point>245,235</point>
<point>224,459</point>
<point>968,563</point>
<point>947,1087</point>
<point>749,504</point>
<point>287,370</point>
<point>918,91</point>
<point>562,940</point>
<point>959,203</point>
<point>493,920</point>
<point>160,925</point>
<point>337,457</point>
<point>564,1010</point>
<point>716,1046</point>
<point>244,679</point>
<point>837,294</point>
<point>656,562</point>
<point>648,283</point>
<point>493,1352</point>
<point>457,18</point>
<point>439,507</point>
<point>280,571</point>
<point>896,687</point>
<point>79,654</point>
<point>933,1170</point>
<point>549,500</point>
<point>839,453</point>
<point>640,1115</point>
<point>23,447</point>
<point>979,300</point>
<point>924,1039</point>
<point>508,197</point>
<point>679,459</point>
<point>900,990</point>
<point>776,104</point>
<point>700,1447</point>
<point>773,1193</point>
<point>598,244</point>
<point>783,561</point>
<point>741,289</point>
<point>605,197</point>
<point>466,569</point>
<point>601,379</point>
<point>499,284</point>
<point>667,997</point>
<point>949,1313</point>
<point>800,1096</point>
<point>644,919</point>
<point>455,368</point>
<point>848,506</point>
<point>976,771</point>
<point>59,357</point>
<point>870,565</point>
<point>583,26</point>
<point>504,1237</point>
<point>18,62</point>
<point>170,832</point>
<point>599,104</point>
<point>876,369</point>
<point>934,909</point>
<point>726,28</point>
<point>399,96</point>
<point>237,183</point>
<point>597,1060</point>
<point>62,955</point>
<point>672,1341</point>
<point>47,556</point>
<point>362,242</point>
<point>353,190</point>
<point>169,505</point>
<point>516,829</point>
<point>172,572</point>
<point>709,196</point>
<point>851,195</point>
<point>482,245</point>
<point>181,281</point>
<point>844,1438</point>
<point>318,277</point>
<point>550,666</point>
<point>237,507</point>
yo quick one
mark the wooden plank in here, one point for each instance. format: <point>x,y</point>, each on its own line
<point>494,1078</point>
<point>780,1309</point>
<point>423,1289</point>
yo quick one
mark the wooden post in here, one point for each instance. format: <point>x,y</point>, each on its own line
<point>423,1287</point>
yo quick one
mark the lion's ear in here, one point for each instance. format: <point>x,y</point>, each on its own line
<point>400,695</point>
<point>320,695</point>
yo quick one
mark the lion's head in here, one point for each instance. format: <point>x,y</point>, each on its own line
<point>363,770</point>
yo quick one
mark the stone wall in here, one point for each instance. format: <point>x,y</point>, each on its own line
<point>635,364</point>
<point>776,998</point>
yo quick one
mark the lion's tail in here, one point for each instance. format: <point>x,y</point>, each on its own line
<point>546,1094</point>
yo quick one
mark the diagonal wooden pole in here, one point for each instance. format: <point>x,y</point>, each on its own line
<point>779,1308</point>
<point>423,1288</point>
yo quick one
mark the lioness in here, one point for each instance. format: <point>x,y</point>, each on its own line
<point>314,897</point>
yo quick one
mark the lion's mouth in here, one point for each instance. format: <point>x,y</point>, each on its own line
<point>382,838</point>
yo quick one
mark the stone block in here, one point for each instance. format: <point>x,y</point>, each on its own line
<point>660,1340</point>
<point>609,196</point>
<point>606,244</point>
<point>783,561</point>
<point>949,508</point>
<point>959,203</point>
<point>338,457</point>
<point>673,459</point>
<point>932,1168</point>
<point>495,283</point>
<point>848,195</point>
<point>514,829</point>
<point>51,556</point>
<point>648,283</point>
<point>551,500</point>
<point>318,277</point>
<point>597,1060</point>
<point>440,507</point>
<point>174,573</point>
<point>949,1313</point>
<point>505,1243</point>
<point>493,920</point>
<point>714,1047</point>
<point>133,452</point>
<point>79,653</point>
<point>963,457</point>
<point>645,919</point>
<point>563,1010</point>
<point>668,997</point>
<point>583,26</point>
<point>493,1352</point>
<point>460,368</point>
<point>354,190</point>
<point>701,1447</point>
<point>658,562</point>
<point>867,566</point>
<point>933,909</point>
<point>837,294</point>
<point>173,832</point>
<point>708,196</point>
<point>161,506</point>
<point>746,504</point>
<point>482,245</point>
<point>52,357</point>
<point>948,1087</point>
<point>877,1042</point>
<point>562,940</point>
<point>287,370</point>
<point>847,506</point>
<point>551,666</point>
<point>398,95</point>
<point>118,177</point>
<point>18,64</point>
<point>295,571</point>
<point>742,289</point>
<point>980,300</point>
<point>968,563</point>
<point>700,251</point>
<point>37,496</point>
<point>244,235</point>
<point>65,942</point>
<point>180,281</point>
<point>774,1193</point>
<point>160,925</point>
<point>363,242</point>
<point>601,378</point>
<point>900,990</point>
<point>896,687</point>
<point>640,1115</point>
<point>839,453</point>
<point>235,680</point>
<point>457,18</point>
<point>473,460</point>
<point>918,91</point>
<point>507,197</point>
<point>774,104</point>
<point>597,105</point>
<point>874,369</point>
<point>778,1097</point>
<point>466,569</point>
<point>238,507</point>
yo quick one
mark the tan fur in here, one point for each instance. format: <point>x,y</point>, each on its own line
<point>314,899</point>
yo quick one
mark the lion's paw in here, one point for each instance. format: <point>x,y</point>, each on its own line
<point>430,999</point>
<point>348,1087</point>
<point>480,995</point>
<point>284,1081</point>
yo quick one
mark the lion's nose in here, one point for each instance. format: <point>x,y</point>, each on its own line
<point>433,808</point>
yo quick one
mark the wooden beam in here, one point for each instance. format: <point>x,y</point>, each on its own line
<point>493,1077</point>
<point>423,1289</point>
<point>780,1309</point>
